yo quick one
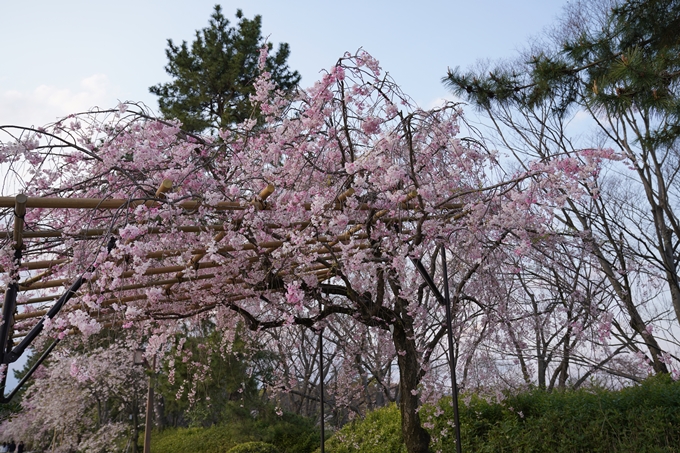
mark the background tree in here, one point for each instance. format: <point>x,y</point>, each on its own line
<point>213,79</point>
<point>207,380</point>
<point>8,410</point>
<point>82,401</point>
<point>616,61</point>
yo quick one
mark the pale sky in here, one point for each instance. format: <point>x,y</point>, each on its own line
<point>61,57</point>
<point>65,56</point>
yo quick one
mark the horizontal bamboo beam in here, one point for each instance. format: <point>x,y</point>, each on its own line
<point>37,265</point>
<point>32,314</point>
<point>96,232</point>
<point>126,274</point>
<point>46,264</point>
<point>37,300</point>
<point>45,285</point>
<point>109,203</point>
<point>318,269</point>
<point>190,205</point>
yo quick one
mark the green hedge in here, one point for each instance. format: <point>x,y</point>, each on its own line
<point>288,433</point>
<point>254,447</point>
<point>379,432</point>
<point>643,418</point>
<point>199,440</point>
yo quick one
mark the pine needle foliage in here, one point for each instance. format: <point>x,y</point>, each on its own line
<point>213,77</point>
<point>620,58</point>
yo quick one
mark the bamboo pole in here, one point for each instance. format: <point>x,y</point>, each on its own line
<point>321,271</point>
<point>37,300</point>
<point>44,285</point>
<point>260,201</point>
<point>345,195</point>
<point>189,205</point>
<point>109,203</point>
<point>270,246</point>
<point>35,265</point>
<point>46,264</point>
<point>31,283</point>
<point>32,314</point>
<point>95,232</point>
<point>318,269</point>
<point>126,274</point>
<point>164,188</point>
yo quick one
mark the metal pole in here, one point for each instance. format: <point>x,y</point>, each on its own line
<point>149,408</point>
<point>321,376</point>
<point>27,376</point>
<point>8,309</point>
<point>452,361</point>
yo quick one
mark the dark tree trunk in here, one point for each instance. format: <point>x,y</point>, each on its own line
<point>416,438</point>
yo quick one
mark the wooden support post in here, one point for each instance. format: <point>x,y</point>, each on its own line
<point>10,304</point>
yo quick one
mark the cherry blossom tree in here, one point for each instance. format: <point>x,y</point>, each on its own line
<point>610,68</point>
<point>82,401</point>
<point>310,218</point>
<point>552,326</point>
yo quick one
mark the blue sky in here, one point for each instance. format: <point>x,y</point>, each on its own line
<point>58,57</point>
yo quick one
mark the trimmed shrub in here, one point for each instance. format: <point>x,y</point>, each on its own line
<point>216,439</point>
<point>378,432</point>
<point>289,433</point>
<point>642,418</point>
<point>254,447</point>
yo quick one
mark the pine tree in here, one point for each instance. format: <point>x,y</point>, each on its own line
<point>627,60</point>
<point>212,79</point>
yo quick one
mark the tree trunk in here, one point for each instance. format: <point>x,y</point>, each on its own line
<point>621,288</point>
<point>416,438</point>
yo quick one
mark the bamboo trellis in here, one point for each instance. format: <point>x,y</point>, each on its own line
<point>54,293</point>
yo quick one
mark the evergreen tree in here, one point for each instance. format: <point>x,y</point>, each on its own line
<point>7,410</point>
<point>212,79</point>
<point>611,55</point>
<point>222,379</point>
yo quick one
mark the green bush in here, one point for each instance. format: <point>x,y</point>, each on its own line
<point>254,447</point>
<point>379,432</point>
<point>643,418</point>
<point>217,439</point>
<point>289,433</point>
